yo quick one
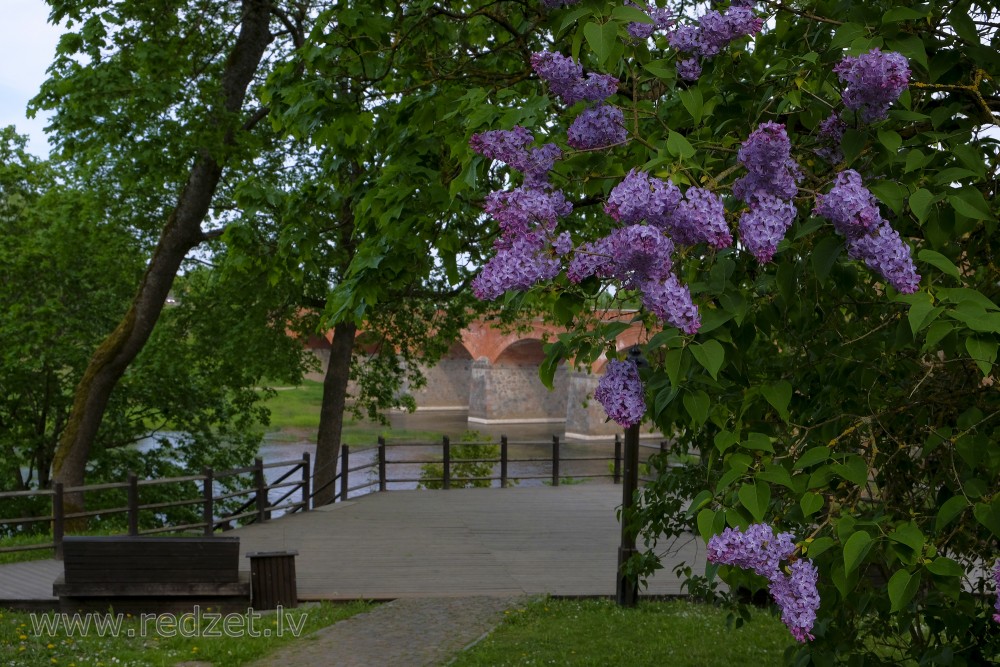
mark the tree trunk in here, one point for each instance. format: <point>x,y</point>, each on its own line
<point>181,233</point>
<point>331,416</point>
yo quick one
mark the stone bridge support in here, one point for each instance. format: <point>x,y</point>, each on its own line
<point>509,391</point>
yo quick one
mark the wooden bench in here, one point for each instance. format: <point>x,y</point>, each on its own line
<point>151,573</point>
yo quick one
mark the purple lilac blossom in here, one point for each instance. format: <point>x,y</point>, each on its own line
<point>854,212</point>
<point>887,254</point>
<point>597,127</point>
<point>640,196</point>
<point>510,147</point>
<point>850,206</point>
<point>758,549</point>
<point>670,300</point>
<point>996,588</point>
<point>520,210</point>
<point>660,17</point>
<point>714,32</point>
<point>565,78</point>
<point>523,263</point>
<point>700,217</point>
<point>620,392</point>
<point>766,154</point>
<point>831,132</point>
<point>632,255</point>
<point>873,81</point>
<point>764,225</point>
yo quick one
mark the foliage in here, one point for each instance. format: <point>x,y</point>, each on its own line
<point>597,632</point>
<point>471,464</point>
<point>819,398</point>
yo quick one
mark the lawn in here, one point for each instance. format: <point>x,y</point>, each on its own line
<point>21,645</point>
<point>598,632</point>
<point>295,417</point>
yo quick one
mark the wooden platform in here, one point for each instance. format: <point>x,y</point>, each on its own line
<point>557,540</point>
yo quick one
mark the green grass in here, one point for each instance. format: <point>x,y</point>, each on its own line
<point>295,416</point>
<point>599,633</point>
<point>25,540</point>
<point>20,646</point>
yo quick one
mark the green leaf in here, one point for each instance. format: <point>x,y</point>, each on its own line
<point>601,39</point>
<point>989,515</point>
<point>889,193</point>
<point>710,355</point>
<point>677,144</point>
<point>693,101</point>
<point>755,497</point>
<point>631,14</point>
<point>854,470</point>
<point>778,395</point>
<point>891,140</point>
<point>943,566</point>
<point>697,403</point>
<point>777,474</point>
<point>712,319</point>
<point>918,313</point>
<point>897,14</point>
<point>824,256</point>
<point>810,503</point>
<point>902,587</point>
<point>811,457</point>
<point>938,260</point>
<point>818,546</point>
<point>699,501</point>
<point>920,203</point>
<point>710,523</point>
<point>852,143</point>
<point>970,203</point>
<point>724,440</point>
<point>949,509</point>
<point>908,534</point>
<point>758,442</point>
<point>983,351</point>
<point>856,549</point>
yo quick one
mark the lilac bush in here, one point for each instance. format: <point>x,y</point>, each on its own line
<point>565,79</point>
<point>714,32</point>
<point>597,127</point>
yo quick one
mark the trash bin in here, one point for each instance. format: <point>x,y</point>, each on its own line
<point>272,579</point>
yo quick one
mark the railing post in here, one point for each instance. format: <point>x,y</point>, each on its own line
<point>345,458</point>
<point>555,460</point>
<point>306,491</point>
<point>208,500</point>
<point>58,519</point>
<point>258,473</point>
<point>381,464</point>
<point>503,462</point>
<point>133,504</point>
<point>618,460</point>
<point>446,445</point>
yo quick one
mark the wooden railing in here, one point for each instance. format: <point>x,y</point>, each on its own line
<point>299,480</point>
<point>258,506</point>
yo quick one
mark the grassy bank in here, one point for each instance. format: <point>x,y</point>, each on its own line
<point>599,633</point>
<point>21,643</point>
<point>295,417</point>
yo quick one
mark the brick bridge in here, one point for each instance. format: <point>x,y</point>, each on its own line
<point>492,375</point>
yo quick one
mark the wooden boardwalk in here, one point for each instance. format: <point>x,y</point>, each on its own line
<point>557,540</point>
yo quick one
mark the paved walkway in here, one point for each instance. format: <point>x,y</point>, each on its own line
<point>411,632</point>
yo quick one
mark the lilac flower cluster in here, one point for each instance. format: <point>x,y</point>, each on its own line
<point>854,212</point>
<point>640,196</point>
<point>996,588</point>
<point>565,78</point>
<point>760,550</point>
<point>619,391</point>
<point>873,81</point>
<point>511,147</point>
<point>713,33</point>
<point>528,248</point>
<point>768,188</point>
<point>661,21</point>
<point>597,127</point>
<point>671,302</point>
<point>831,132</point>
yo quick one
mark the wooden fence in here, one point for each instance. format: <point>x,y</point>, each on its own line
<point>299,480</point>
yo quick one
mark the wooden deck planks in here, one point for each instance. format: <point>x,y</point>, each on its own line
<point>561,541</point>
